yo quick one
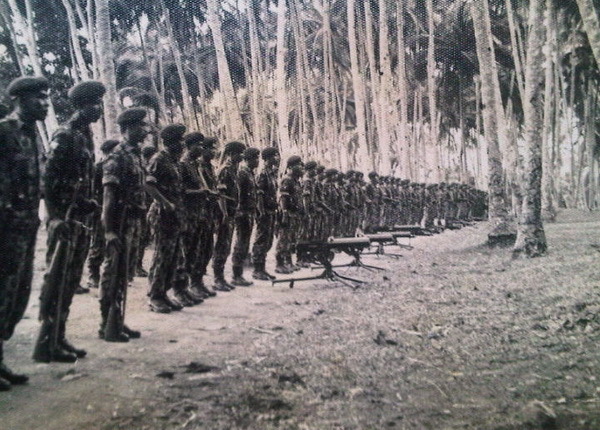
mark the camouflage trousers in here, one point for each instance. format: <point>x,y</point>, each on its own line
<point>288,237</point>
<point>222,247</point>
<point>96,252</point>
<point>192,242</point>
<point>71,264</point>
<point>244,222</point>
<point>265,232</point>
<point>167,261</point>
<point>204,248</point>
<point>114,273</point>
<point>17,249</point>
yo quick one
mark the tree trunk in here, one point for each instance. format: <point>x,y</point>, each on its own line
<point>106,67</point>
<point>404,145</point>
<point>82,69</point>
<point>432,92</point>
<point>531,239</point>
<point>258,130</point>
<point>281,83</point>
<point>235,125</point>
<point>549,136</point>
<point>361,153</point>
<point>591,24</point>
<point>503,231</point>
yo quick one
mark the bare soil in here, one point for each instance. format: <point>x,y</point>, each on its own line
<point>451,336</point>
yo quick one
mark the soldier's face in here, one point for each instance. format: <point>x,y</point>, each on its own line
<point>34,106</point>
<point>236,158</point>
<point>208,153</point>
<point>175,148</point>
<point>275,161</point>
<point>91,112</point>
<point>136,133</point>
<point>253,163</point>
<point>195,151</point>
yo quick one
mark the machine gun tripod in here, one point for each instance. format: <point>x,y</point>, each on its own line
<point>322,253</point>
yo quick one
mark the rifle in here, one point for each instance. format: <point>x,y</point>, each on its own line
<point>116,316</point>
<point>62,255</point>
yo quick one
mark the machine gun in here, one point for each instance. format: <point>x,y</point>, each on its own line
<point>380,240</point>
<point>322,253</point>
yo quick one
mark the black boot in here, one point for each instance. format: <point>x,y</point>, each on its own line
<point>7,376</point>
<point>259,272</point>
<point>65,344</point>
<point>238,277</point>
<point>220,283</point>
<point>133,334</point>
<point>45,351</point>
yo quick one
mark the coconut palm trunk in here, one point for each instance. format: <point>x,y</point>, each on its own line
<point>361,153</point>
<point>234,124</point>
<point>281,82</point>
<point>591,24</point>
<point>531,239</point>
<point>502,228</point>
<point>106,67</point>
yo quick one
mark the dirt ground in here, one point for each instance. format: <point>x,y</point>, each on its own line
<point>450,336</point>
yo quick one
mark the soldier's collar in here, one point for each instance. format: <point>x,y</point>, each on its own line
<point>20,124</point>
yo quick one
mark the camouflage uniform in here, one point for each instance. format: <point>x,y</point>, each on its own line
<point>96,252</point>
<point>70,165</point>
<point>265,224</point>
<point>291,192</point>
<point>244,218</point>
<point>21,156</point>
<point>163,172</point>
<point>227,185</point>
<point>207,218</point>
<point>123,170</point>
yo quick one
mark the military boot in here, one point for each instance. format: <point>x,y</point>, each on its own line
<point>45,351</point>
<point>65,344</point>
<point>173,303</point>
<point>238,277</point>
<point>282,267</point>
<point>259,272</point>
<point>220,283</point>
<point>132,334</point>
<point>160,306</point>
<point>183,298</point>
<point>7,376</point>
<point>194,295</point>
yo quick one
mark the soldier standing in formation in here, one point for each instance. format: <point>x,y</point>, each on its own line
<point>20,159</point>
<point>228,199</point>
<point>68,184</point>
<point>245,214</point>
<point>123,201</point>
<point>266,212</point>
<point>96,253</point>
<point>291,207</point>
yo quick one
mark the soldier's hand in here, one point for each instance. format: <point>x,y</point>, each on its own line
<point>112,241</point>
<point>60,229</point>
<point>170,206</point>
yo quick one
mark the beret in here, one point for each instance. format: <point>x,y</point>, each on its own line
<point>331,172</point>
<point>405,182</point>
<point>293,161</point>
<point>310,165</point>
<point>108,146</point>
<point>145,99</point>
<point>209,142</point>
<point>131,116</point>
<point>193,138</point>
<point>27,84</point>
<point>148,151</point>
<point>269,152</point>
<point>234,147</point>
<point>86,92</point>
<point>373,175</point>
<point>173,132</point>
<point>320,168</point>
<point>251,153</point>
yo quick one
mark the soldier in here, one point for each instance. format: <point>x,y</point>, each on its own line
<point>123,202</point>
<point>20,156</point>
<point>229,192</point>
<point>291,208</point>
<point>331,198</point>
<point>208,217</point>
<point>245,214</point>
<point>167,271</point>
<point>96,253</point>
<point>266,212</point>
<point>310,198</point>
<point>195,195</point>
<point>68,185</point>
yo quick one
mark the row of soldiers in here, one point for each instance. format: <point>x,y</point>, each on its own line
<point>189,198</point>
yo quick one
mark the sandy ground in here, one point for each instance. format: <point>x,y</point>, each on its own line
<point>450,336</point>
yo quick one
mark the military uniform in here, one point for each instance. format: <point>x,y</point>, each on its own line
<point>123,170</point>
<point>208,218</point>
<point>68,181</point>
<point>244,216</point>
<point>164,174</point>
<point>292,209</point>
<point>266,191</point>
<point>228,187</point>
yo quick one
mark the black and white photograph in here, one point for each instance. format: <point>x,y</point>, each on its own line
<point>299,214</point>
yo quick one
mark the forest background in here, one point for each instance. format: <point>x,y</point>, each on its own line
<point>488,92</point>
